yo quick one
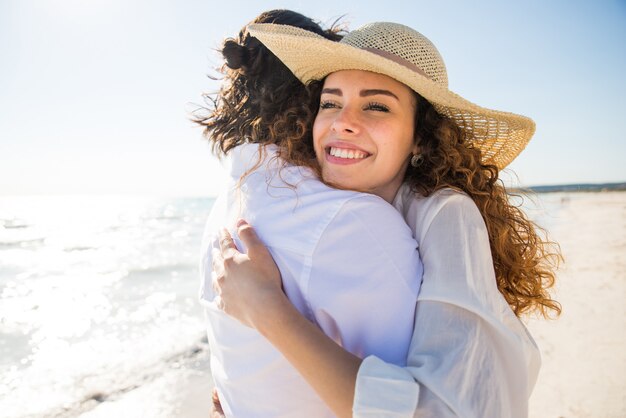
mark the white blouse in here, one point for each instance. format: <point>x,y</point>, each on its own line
<point>470,356</point>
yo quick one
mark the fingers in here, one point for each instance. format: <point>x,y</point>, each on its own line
<point>216,279</point>
<point>226,241</point>
<point>217,261</point>
<point>217,275</point>
<point>249,237</point>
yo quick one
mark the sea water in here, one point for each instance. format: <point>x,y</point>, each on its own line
<point>97,294</point>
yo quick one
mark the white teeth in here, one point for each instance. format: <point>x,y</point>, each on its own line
<point>344,153</point>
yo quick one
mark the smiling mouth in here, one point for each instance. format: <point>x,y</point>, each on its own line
<point>348,154</point>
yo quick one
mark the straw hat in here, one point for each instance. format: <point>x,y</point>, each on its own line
<point>409,57</point>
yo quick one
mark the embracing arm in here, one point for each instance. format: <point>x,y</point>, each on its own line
<point>328,368</point>
<point>260,303</point>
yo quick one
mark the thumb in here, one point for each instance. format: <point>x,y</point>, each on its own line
<point>249,237</point>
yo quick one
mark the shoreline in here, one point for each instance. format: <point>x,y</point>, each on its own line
<point>572,188</point>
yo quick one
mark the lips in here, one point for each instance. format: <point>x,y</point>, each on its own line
<point>345,156</point>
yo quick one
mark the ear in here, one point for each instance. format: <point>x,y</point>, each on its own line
<point>416,144</point>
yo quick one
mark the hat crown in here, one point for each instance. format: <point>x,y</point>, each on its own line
<point>403,42</point>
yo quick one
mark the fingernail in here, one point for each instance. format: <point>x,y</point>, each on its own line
<point>241,222</point>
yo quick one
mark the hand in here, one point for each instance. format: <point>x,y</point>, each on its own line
<point>249,284</point>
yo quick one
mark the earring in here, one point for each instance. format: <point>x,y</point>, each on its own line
<point>417,160</point>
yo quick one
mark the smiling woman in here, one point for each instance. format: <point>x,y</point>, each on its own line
<point>393,129</point>
<point>363,132</point>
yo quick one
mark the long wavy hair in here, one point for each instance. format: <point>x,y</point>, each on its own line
<point>260,100</point>
<point>524,258</point>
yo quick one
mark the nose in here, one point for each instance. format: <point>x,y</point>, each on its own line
<point>346,121</point>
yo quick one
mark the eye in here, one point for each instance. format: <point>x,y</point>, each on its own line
<point>378,107</point>
<point>328,104</point>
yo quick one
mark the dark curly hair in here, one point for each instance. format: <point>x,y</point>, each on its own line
<point>260,100</point>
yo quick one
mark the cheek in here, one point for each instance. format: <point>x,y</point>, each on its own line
<point>404,139</point>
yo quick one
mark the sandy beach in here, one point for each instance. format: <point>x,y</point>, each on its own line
<point>583,351</point>
<point>584,365</point>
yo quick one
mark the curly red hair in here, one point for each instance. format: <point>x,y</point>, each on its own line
<point>524,258</point>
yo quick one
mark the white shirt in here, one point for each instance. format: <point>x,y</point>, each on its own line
<point>348,263</point>
<point>470,356</point>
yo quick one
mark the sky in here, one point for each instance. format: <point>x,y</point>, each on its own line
<point>95,95</point>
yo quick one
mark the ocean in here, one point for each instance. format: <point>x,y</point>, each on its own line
<point>98,296</point>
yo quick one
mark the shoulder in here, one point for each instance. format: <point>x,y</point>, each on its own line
<point>370,238</point>
<point>369,220</point>
<point>455,249</point>
<point>450,200</point>
<point>453,205</point>
<point>294,210</point>
<point>365,219</point>
<point>369,203</point>
<point>448,208</point>
<point>372,214</point>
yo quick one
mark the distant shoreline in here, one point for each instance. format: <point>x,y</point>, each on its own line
<point>572,188</point>
<point>584,187</point>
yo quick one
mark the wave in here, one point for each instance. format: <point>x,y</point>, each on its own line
<point>22,243</point>
<point>188,358</point>
<point>79,248</point>
<point>14,223</point>
<point>159,269</point>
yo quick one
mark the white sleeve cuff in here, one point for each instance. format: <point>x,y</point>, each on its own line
<point>384,390</point>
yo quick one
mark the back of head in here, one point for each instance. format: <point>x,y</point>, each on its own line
<point>260,100</point>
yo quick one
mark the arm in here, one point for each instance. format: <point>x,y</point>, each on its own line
<point>256,299</point>
<point>455,369</point>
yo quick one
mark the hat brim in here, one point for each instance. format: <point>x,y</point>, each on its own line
<point>501,136</point>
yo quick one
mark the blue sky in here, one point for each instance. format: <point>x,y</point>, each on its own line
<point>95,94</point>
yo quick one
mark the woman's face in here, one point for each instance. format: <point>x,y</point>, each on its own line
<point>363,133</point>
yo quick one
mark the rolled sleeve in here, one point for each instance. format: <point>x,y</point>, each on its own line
<point>384,390</point>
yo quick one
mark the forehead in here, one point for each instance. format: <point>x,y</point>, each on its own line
<point>362,80</point>
<point>355,82</point>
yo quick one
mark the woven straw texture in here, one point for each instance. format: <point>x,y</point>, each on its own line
<point>407,56</point>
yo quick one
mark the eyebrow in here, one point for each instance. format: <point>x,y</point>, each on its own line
<point>362,93</point>
<point>375,92</point>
